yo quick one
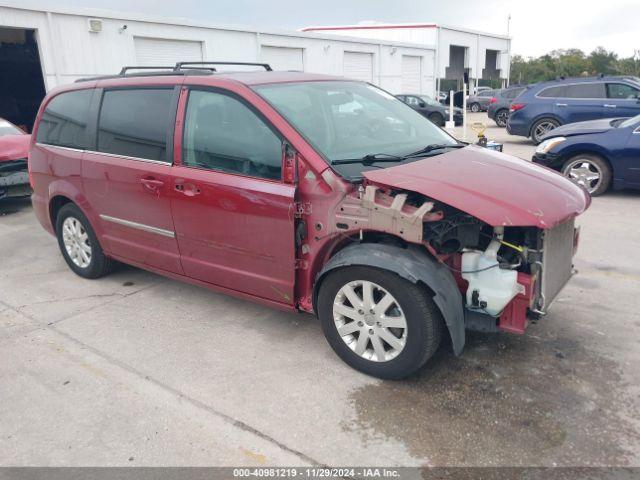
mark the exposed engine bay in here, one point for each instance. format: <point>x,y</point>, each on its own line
<point>503,273</point>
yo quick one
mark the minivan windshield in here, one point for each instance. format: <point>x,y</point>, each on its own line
<point>351,120</point>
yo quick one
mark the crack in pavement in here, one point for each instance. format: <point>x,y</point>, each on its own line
<point>167,388</point>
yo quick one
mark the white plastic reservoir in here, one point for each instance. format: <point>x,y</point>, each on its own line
<point>495,286</point>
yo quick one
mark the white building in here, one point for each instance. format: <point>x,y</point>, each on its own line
<point>42,46</point>
<point>485,57</point>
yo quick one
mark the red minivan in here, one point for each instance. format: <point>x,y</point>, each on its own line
<point>304,192</point>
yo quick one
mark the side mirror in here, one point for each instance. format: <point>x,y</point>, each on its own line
<point>422,104</point>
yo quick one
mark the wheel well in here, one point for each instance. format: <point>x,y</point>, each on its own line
<point>55,205</point>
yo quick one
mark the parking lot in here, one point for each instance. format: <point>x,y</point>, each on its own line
<point>137,369</point>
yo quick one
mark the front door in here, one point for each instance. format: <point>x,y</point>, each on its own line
<point>623,100</point>
<point>127,176</point>
<point>232,212</point>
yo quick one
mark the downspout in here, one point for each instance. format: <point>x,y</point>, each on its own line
<point>54,50</point>
<point>380,65</point>
<point>258,47</point>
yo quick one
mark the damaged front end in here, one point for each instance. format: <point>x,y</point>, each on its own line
<point>14,178</point>
<point>506,275</point>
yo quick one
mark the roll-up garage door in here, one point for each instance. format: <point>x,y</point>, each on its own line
<point>158,51</point>
<point>358,66</point>
<point>283,58</point>
<point>411,74</point>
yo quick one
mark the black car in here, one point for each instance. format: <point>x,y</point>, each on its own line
<point>498,110</point>
<point>429,108</point>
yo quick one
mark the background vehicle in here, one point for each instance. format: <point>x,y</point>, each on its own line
<point>272,186</point>
<point>597,154</point>
<point>480,101</point>
<point>547,105</point>
<point>14,150</point>
<point>429,108</point>
<point>498,109</point>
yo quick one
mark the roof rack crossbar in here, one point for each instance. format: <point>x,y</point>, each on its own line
<point>181,65</point>
<point>133,67</point>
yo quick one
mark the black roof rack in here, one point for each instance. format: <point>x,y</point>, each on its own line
<point>124,70</point>
<point>266,66</point>
<point>180,68</point>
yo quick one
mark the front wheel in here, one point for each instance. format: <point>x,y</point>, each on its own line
<point>501,117</point>
<point>475,108</point>
<point>378,322</point>
<point>590,171</point>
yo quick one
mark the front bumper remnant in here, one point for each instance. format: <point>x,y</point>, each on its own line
<point>14,179</point>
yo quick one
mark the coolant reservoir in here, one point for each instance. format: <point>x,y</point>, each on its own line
<point>494,286</point>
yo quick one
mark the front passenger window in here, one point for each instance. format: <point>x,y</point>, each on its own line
<point>222,133</point>
<point>622,91</point>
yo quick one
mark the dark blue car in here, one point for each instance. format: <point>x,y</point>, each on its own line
<point>597,154</point>
<point>545,106</point>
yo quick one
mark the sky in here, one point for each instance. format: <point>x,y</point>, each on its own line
<point>537,27</point>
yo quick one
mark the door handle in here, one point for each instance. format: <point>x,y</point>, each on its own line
<point>188,189</point>
<point>152,184</point>
<point>561,105</point>
<point>608,105</point>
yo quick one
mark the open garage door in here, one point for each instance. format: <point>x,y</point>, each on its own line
<point>411,74</point>
<point>21,80</point>
<point>358,66</point>
<point>283,58</point>
<point>159,51</point>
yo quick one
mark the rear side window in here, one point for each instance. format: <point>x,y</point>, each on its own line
<point>513,93</point>
<point>622,91</point>
<point>553,92</point>
<point>585,90</point>
<point>135,123</point>
<point>64,121</point>
<point>222,133</point>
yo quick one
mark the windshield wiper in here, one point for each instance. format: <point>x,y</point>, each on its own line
<point>370,159</point>
<point>433,147</point>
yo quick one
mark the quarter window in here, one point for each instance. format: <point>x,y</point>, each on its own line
<point>622,91</point>
<point>222,133</point>
<point>64,121</point>
<point>135,123</point>
<point>585,90</point>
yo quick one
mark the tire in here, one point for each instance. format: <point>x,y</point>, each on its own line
<point>590,171</point>
<point>475,108</point>
<point>501,117</point>
<point>418,340</point>
<point>541,127</point>
<point>436,119</point>
<point>71,242</point>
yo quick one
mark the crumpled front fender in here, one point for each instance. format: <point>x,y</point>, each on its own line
<point>413,264</point>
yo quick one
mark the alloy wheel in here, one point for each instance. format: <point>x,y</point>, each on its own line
<point>585,173</point>
<point>370,321</point>
<point>76,242</point>
<point>502,118</point>
<point>542,128</point>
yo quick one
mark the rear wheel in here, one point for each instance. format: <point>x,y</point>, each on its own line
<point>541,128</point>
<point>590,171</point>
<point>475,108</point>
<point>378,322</point>
<point>437,119</point>
<point>79,244</point>
<point>501,117</point>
